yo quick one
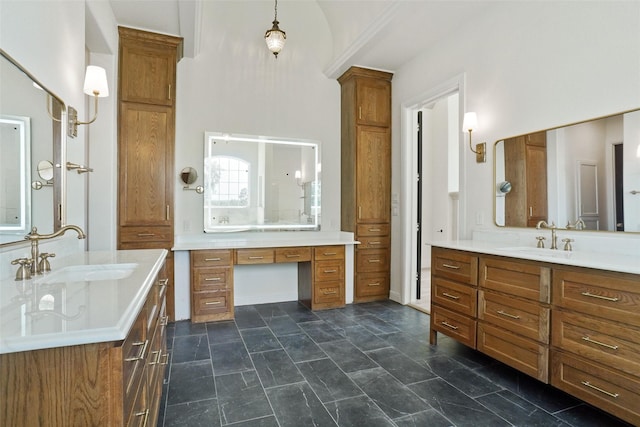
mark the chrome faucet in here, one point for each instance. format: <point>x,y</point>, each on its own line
<point>552,227</point>
<point>34,237</point>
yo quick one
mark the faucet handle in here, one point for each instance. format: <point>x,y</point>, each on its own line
<point>44,266</point>
<point>540,241</point>
<point>567,244</point>
<point>24,271</point>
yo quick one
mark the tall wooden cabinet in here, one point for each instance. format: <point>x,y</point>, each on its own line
<point>146,139</point>
<point>366,177</point>
<point>526,168</point>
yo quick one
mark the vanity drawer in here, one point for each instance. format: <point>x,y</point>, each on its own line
<point>597,340</point>
<point>454,296</point>
<point>374,242</point>
<point>254,256</point>
<point>371,260</point>
<point>609,390</point>
<point>139,409</point>
<point>206,279</point>
<point>455,265</point>
<point>523,354</point>
<point>293,254</point>
<point>526,318</point>
<point>211,258</point>
<point>519,278</point>
<point>457,326</point>
<point>134,354</point>
<point>610,296</point>
<point>146,234</point>
<point>328,252</point>
<point>328,270</point>
<point>372,284</point>
<point>329,292</point>
<point>372,230</point>
<point>206,303</point>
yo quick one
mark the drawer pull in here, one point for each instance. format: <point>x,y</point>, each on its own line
<point>329,292</point>
<point>293,255</point>
<point>164,320</point>
<point>375,230</point>
<point>166,359</point>
<point>608,393</point>
<point>371,261</point>
<point>256,257</point>
<point>374,243</point>
<point>589,294</point>
<point>158,356</point>
<point>612,347</point>
<point>330,271</point>
<point>163,282</point>
<point>453,267</point>
<point>146,234</point>
<point>212,279</point>
<point>212,303</point>
<point>140,355</point>
<point>330,253</point>
<point>449,325</point>
<point>448,295</point>
<point>504,313</point>
<point>374,284</point>
<point>144,414</point>
<point>213,259</point>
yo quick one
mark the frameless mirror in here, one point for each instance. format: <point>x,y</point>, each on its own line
<point>260,183</point>
<point>581,176</point>
<point>31,129</point>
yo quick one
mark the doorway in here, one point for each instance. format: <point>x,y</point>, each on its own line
<point>437,165</point>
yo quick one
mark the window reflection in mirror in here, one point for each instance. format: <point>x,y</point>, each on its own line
<point>592,173</point>
<point>260,183</point>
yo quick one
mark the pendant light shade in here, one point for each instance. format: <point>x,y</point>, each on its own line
<point>275,37</point>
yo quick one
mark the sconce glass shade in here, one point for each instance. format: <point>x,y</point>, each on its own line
<point>275,38</point>
<point>95,82</point>
<point>470,122</point>
<point>298,175</point>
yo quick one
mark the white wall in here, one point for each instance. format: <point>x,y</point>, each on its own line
<point>528,66</point>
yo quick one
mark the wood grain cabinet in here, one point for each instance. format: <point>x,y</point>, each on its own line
<point>514,314</point>
<point>211,285</point>
<point>101,384</point>
<point>327,281</point>
<point>146,138</point>
<point>454,295</point>
<point>366,176</point>
<point>596,339</point>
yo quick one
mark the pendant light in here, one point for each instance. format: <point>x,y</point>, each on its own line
<point>275,37</point>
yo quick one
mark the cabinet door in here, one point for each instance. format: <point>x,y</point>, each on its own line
<point>373,172</point>
<point>148,74</point>
<point>373,102</point>
<point>146,165</point>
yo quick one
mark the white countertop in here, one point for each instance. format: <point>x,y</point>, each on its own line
<point>65,311</point>
<point>261,240</point>
<point>625,263</point>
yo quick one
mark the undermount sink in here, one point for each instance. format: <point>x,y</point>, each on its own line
<point>89,273</point>
<point>541,252</point>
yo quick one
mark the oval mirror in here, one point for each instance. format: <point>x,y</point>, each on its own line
<point>45,170</point>
<point>189,175</point>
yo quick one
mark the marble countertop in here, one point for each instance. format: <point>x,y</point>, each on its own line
<point>58,309</point>
<point>625,263</point>
<point>261,240</point>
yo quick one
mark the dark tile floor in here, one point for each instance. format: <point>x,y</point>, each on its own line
<point>362,365</point>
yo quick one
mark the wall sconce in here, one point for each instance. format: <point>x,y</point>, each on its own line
<point>298,176</point>
<point>469,124</point>
<point>95,83</point>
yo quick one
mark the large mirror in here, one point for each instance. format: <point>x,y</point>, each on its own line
<point>584,176</point>
<point>31,132</point>
<point>260,183</point>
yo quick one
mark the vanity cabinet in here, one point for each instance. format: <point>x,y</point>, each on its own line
<point>102,384</point>
<point>366,176</point>
<point>596,339</point>
<point>514,314</point>
<point>146,138</point>
<point>526,169</point>
<point>326,289</point>
<point>212,285</point>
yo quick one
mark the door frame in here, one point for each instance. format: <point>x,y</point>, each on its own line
<point>409,187</point>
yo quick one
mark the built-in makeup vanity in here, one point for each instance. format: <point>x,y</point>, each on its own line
<point>321,259</point>
<point>569,319</point>
<point>85,344</point>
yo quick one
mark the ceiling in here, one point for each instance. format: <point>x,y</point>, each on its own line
<point>379,34</point>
